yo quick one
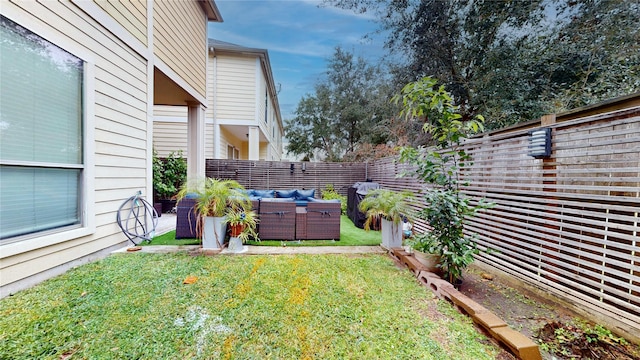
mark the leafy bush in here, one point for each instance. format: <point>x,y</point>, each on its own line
<point>169,174</point>
<point>440,166</point>
<point>330,193</point>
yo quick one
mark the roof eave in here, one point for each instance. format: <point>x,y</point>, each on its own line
<point>211,9</point>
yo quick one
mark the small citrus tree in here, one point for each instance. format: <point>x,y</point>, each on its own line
<point>440,166</point>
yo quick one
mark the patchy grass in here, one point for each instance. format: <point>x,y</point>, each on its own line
<point>241,307</point>
<point>350,235</point>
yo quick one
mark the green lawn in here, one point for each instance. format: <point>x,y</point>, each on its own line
<point>135,306</point>
<point>350,235</point>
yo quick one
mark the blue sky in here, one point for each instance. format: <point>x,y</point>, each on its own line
<point>300,38</point>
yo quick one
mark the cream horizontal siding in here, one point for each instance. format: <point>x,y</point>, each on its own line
<point>211,87</point>
<point>119,128</point>
<point>168,137</point>
<point>171,136</point>
<point>235,88</point>
<point>176,112</point>
<point>262,91</point>
<point>180,40</point>
<point>264,150</point>
<point>132,15</point>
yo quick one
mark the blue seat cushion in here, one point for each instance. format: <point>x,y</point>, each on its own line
<point>264,193</point>
<point>286,193</point>
<point>304,194</point>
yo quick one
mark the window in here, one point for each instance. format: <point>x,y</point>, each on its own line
<point>266,105</point>
<point>232,153</point>
<point>41,134</point>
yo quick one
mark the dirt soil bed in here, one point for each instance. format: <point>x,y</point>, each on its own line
<point>561,333</point>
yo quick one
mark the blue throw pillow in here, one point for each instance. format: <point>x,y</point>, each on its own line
<point>264,193</point>
<point>304,194</point>
<point>286,193</point>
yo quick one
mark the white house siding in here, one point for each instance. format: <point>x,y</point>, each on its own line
<point>169,129</point>
<point>171,135</point>
<point>236,88</point>
<point>132,15</point>
<point>119,125</point>
<point>179,41</point>
<point>209,112</point>
<point>260,104</point>
<point>274,133</point>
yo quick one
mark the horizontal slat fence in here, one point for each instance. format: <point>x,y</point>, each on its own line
<point>570,223</point>
<point>279,176</point>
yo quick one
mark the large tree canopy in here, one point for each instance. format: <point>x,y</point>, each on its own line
<point>512,60</point>
<point>344,112</point>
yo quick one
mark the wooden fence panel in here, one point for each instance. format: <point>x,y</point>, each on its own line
<point>568,224</point>
<point>281,176</point>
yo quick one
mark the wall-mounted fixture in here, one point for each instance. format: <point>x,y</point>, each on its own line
<point>304,167</point>
<point>540,143</point>
<point>291,167</point>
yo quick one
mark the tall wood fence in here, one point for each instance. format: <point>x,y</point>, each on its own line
<point>568,224</point>
<point>288,175</point>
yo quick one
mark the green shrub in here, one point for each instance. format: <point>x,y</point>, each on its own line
<point>169,174</point>
<point>330,193</point>
<point>441,166</point>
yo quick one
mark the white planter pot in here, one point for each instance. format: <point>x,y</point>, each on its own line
<point>430,261</point>
<point>235,245</point>
<point>391,234</point>
<point>214,232</point>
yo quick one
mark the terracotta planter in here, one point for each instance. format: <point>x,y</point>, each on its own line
<point>430,261</point>
<point>236,230</point>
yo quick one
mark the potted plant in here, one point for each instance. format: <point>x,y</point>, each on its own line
<point>391,207</point>
<point>168,176</point>
<point>214,198</point>
<point>441,166</point>
<point>242,227</point>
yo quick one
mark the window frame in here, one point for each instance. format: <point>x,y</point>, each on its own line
<point>25,243</point>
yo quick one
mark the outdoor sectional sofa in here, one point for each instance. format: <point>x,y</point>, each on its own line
<point>284,215</point>
<point>295,215</point>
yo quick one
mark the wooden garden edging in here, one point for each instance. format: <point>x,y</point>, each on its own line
<point>520,345</point>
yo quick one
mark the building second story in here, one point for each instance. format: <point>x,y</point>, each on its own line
<point>243,119</point>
